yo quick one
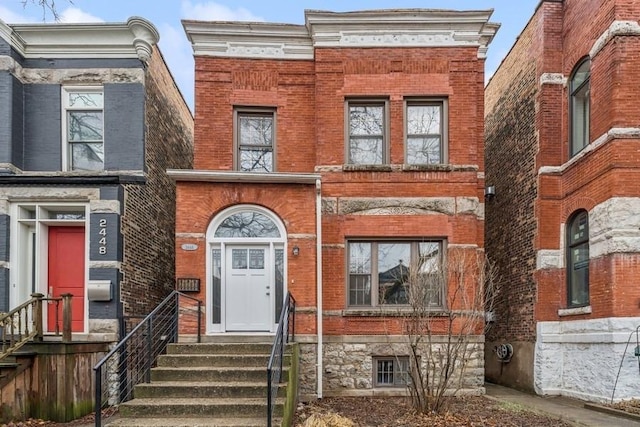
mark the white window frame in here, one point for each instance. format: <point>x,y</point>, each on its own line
<point>66,145</point>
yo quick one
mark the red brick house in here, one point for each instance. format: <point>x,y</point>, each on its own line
<point>326,155</point>
<point>563,152</point>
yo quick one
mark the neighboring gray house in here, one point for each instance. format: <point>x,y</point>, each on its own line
<point>90,119</point>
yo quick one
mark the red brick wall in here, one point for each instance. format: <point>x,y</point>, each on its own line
<point>287,86</point>
<point>309,98</point>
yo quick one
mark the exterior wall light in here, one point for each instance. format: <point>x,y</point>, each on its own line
<point>296,251</point>
<point>489,192</point>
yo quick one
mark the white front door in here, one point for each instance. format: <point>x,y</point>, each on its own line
<point>248,288</point>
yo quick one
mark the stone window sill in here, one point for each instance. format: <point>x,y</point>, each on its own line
<point>367,168</point>
<point>574,311</point>
<point>409,168</point>
<point>386,312</point>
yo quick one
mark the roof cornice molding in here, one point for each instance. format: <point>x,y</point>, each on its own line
<point>132,39</point>
<point>375,28</point>
<point>402,28</point>
<point>244,177</point>
<point>249,40</point>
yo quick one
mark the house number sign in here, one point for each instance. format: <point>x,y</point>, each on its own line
<point>102,233</point>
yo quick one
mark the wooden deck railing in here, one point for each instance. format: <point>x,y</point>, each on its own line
<point>25,323</point>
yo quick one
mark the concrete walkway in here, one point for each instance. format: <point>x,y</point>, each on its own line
<point>567,409</point>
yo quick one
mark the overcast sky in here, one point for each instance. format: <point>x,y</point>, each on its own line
<point>166,15</point>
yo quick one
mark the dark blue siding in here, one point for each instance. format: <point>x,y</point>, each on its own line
<point>124,126</point>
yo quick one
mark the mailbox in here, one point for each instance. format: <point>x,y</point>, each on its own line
<point>99,290</point>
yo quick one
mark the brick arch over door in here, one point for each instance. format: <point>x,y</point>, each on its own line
<point>246,270</point>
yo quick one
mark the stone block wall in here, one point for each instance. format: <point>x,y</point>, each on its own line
<point>349,365</point>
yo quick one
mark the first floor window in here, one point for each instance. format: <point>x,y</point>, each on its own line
<point>578,260</point>
<point>384,272</point>
<point>391,371</point>
<point>255,138</point>
<point>83,124</point>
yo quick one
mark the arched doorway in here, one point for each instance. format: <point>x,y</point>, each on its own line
<point>245,270</point>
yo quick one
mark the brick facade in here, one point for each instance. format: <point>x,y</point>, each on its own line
<point>539,189</point>
<point>307,79</point>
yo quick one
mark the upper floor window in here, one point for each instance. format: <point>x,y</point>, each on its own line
<point>578,260</point>
<point>382,272</point>
<point>83,128</point>
<point>579,88</point>
<point>367,132</point>
<point>255,140</point>
<point>425,131</point>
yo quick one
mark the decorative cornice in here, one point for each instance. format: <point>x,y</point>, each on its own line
<point>242,177</point>
<point>402,28</point>
<point>249,40</point>
<point>617,28</point>
<point>377,28</point>
<point>132,39</point>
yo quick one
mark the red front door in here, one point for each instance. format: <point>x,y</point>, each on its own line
<point>66,274</point>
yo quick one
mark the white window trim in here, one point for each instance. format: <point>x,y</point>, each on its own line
<point>66,147</point>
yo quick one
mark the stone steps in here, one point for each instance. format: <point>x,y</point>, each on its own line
<point>206,385</point>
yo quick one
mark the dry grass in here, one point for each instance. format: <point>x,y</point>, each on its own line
<point>330,419</point>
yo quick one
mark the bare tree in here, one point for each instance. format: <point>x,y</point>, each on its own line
<point>48,6</point>
<point>440,341</point>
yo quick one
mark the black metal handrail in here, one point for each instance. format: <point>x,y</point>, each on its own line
<point>130,361</point>
<point>286,325</point>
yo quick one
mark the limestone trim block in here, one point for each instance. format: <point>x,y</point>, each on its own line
<point>549,258</point>
<point>617,28</point>
<point>56,194</point>
<point>581,358</point>
<point>610,135</point>
<point>614,227</point>
<point>104,206</point>
<point>553,79</point>
<point>71,75</point>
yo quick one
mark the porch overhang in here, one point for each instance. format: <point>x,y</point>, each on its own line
<point>243,177</point>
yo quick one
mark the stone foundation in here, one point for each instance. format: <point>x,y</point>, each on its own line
<point>348,365</point>
<point>581,359</point>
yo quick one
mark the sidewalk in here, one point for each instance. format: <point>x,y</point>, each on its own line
<point>567,409</point>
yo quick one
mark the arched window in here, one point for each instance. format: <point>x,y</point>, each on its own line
<point>247,224</point>
<point>579,89</point>
<point>578,260</point>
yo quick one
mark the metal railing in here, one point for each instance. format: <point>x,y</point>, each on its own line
<point>286,325</point>
<point>130,361</point>
<point>25,322</point>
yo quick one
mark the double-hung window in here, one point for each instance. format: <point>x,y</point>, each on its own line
<point>255,140</point>
<point>383,273</point>
<point>367,132</point>
<point>83,128</point>
<point>579,88</point>
<point>578,260</point>
<point>425,136</point>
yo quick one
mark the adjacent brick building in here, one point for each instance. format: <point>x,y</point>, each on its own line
<point>87,131</point>
<point>562,150</point>
<point>327,156</point>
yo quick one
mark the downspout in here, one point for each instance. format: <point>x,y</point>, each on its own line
<point>319,283</point>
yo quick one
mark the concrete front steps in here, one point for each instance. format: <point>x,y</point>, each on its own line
<point>206,385</point>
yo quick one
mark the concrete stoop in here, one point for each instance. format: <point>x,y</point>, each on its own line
<point>205,385</point>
